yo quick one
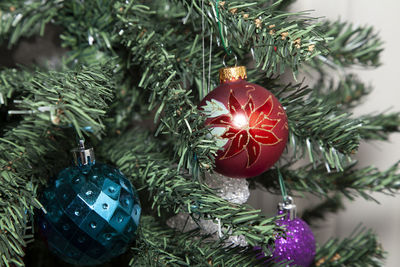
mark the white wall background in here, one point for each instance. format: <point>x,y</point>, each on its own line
<point>384,218</point>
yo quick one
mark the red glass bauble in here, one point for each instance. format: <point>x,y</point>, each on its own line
<point>249,123</point>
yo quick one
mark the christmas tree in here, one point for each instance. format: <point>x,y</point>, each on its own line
<point>135,80</point>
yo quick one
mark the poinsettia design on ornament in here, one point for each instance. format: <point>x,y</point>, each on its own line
<point>247,127</point>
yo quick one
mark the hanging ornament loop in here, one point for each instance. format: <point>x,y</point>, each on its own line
<point>288,207</point>
<point>83,156</point>
<point>224,63</point>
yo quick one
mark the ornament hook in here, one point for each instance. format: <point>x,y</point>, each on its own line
<point>83,156</point>
<point>224,63</point>
<point>288,207</point>
<point>51,109</point>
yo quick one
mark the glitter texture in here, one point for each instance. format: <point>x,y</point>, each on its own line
<point>299,245</point>
<point>298,248</point>
<point>183,222</point>
<point>233,190</point>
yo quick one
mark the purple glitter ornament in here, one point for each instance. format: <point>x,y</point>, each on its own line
<point>298,248</point>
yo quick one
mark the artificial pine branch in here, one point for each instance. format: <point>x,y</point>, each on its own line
<point>345,94</point>
<point>318,129</point>
<point>351,182</point>
<point>20,176</point>
<point>89,28</point>
<point>52,95</point>
<point>11,83</point>
<point>161,75</point>
<point>378,127</point>
<point>29,151</point>
<point>349,46</point>
<point>277,39</point>
<point>158,77</point>
<point>284,4</point>
<point>361,248</point>
<point>159,245</point>
<point>156,66</point>
<point>22,19</point>
<point>139,157</point>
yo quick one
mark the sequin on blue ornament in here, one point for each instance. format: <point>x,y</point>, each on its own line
<point>93,213</point>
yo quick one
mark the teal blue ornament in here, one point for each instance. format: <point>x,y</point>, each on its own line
<point>92,212</point>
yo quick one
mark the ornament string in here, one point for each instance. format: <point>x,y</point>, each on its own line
<point>203,77</point>
<point>282,185</point>
<point>228,50</point>
<point>209,63</point>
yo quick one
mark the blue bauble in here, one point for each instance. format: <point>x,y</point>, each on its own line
<point>92,214</point>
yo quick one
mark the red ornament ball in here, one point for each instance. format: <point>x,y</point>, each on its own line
<point>249,123</point>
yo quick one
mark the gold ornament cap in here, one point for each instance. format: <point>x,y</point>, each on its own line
<point>231,74</point>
